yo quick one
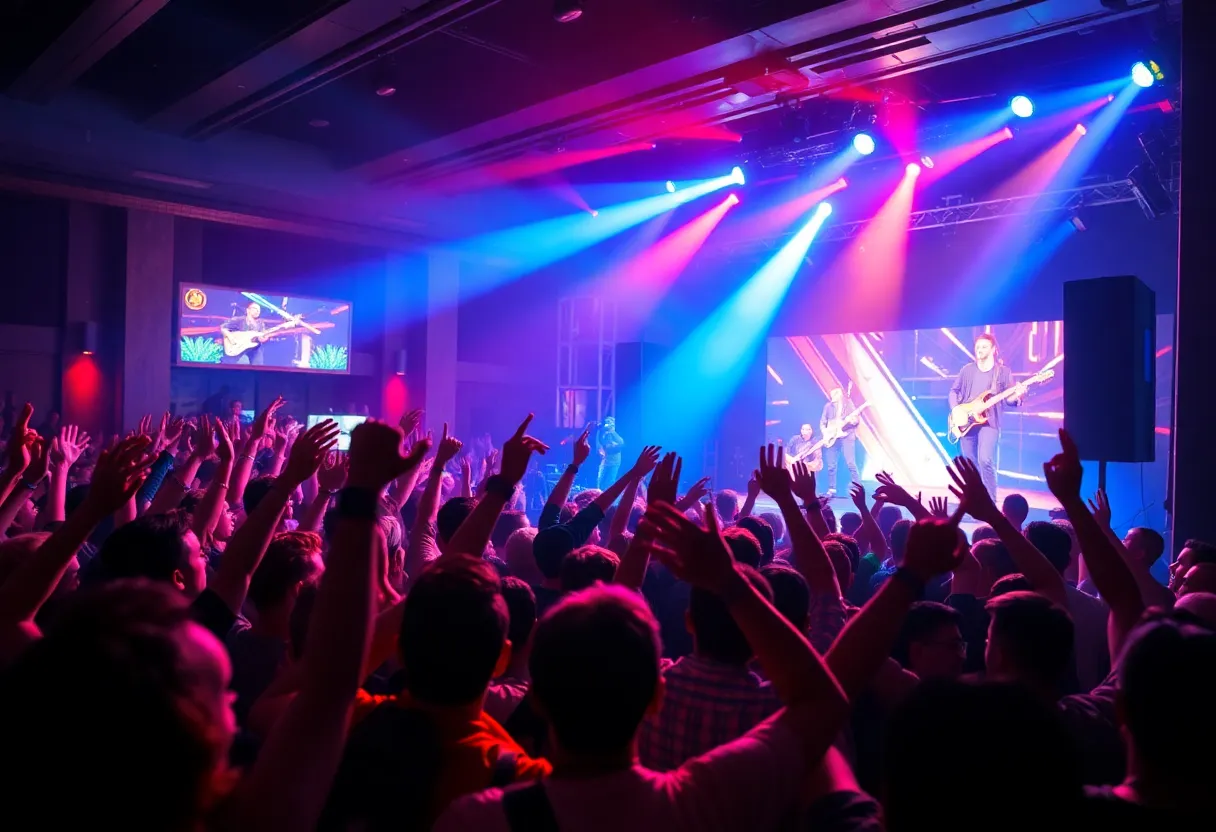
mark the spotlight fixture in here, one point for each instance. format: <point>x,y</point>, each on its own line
<point>1147,73</point>
<point>926,162</point>
<point>864,144</point>
<point>824,209</point>
<point>1076,222</point>
<point>671,187</point>
<point>733,199</point>
<point>1080,128</point>
<point>912,169</point>
<point>386,91</point>
<point>1009,132</point>
<point>842,183</point>
<point>1021,106</point>
<point>567,11</point>
<point>736,176</point>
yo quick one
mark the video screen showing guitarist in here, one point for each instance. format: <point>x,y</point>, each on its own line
<point>985,375</point>
<point>839,419</point>
<point>251,321</point>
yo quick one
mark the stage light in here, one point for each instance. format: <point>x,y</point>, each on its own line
<point>733,199</point>
<point>1142,76</point>
<point>863,143</point>
<point>824,210</point>
<point>594,213</point>
<point>736,176</point>
<point>1080,128</point>
<point>926,162</point>
<point>671,187</point>
<point>1009,132</point>
<point>566,11</point>
<point>1022,106</point>
<point>912,169</point>
<point>842,183</point>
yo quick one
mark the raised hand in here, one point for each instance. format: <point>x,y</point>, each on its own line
<point>647,460</point>
<point>774,479</point>
<point>753,485</point>
<point>518,450</point>
<point>376,457</point>
<point>309,452</point>
<point>68,446</point>
<point>939,507</point>
<point>859,498</point>
<point>891,492</point>
<point>698,491</point>
<point>666,480</point>
<point>449,446</point>
<point>332,475</point>
<point>40,460</point>
<point>693,554</point>
<point>20,442</point>
<point>410,422</point>
<point>804,483</point>
<point>935,546</point>
<point>971,492</point>
<point>1063,471</point>
<point>1099,507</point>
<point>582,448</point>
<point>223,442</point>
<point>145,425</point>
<point>118,474</point>
<point>266,419</point>
<point>172,432</point>
<point>205,443</point>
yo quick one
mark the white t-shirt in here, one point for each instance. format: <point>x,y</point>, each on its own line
<point>751,783</point>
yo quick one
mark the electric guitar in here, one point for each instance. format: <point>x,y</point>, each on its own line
<point>966,416</point>
<point>835,428</point>
<point>815,465</point>
<point>239,342</point>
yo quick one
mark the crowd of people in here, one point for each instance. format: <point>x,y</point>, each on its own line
<point>211,625</point>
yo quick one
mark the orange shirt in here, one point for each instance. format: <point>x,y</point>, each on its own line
<point>470,749</point>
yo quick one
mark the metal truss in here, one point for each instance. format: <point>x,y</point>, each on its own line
<point>1068,200</point>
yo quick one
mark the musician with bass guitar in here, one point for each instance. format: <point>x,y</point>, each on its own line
<point>838,425</point>
<point>985,375</point>
<point>250,322</point>
<point>803,448</point>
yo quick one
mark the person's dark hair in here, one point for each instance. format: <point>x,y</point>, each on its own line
<point>508,521</point>
<point>726,502</point>
<point>994,557</point>
<point>1013,582</point>
<point>190,500</point>
<point>924,619</point>
<point>829,518</point>
<point>1016,508</point>
<point>1035,635</point>
<point>791,594</point>
<point>521,610</point>
<point>74,497</point>
<point>1155,543</point>
<point>899,539</point>
<point>775,523</point>
<point>290,559</point>
<point>301,615</point>
<point>888,516</point>
<point>125,637</point>
<point>1052,541</point>
<point>1168,661</point>
<point>451,515</point>
<point>567,512</point>
<point>1204,552</point>
<point>586,566</point>
<point>595,668</point>
<point>984,532</point>
<point>1015,744</point>
<point>409,511</point>
<point>206,472</point>
<point>255,491</point>
<point>850,522</point>
<point>452,631</point>
<point>838,554</point>
<point>850,545</point>
<point>550,547</point>
<point>763,533</point>
<point>717,635</point>
<point>743,545</point>
<point>148,547</point>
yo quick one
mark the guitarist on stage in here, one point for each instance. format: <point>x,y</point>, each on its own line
<point>985,374</point>
<point>251,321</point>
<point>839,408</point>
<point>802,449</point>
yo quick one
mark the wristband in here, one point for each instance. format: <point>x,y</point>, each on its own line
<point>499,486</point>
<point>358,503</point>
<point>572,469</point>
<point>30,485</point>
<point>908,579</point>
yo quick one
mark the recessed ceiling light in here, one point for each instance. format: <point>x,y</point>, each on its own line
<point>318,122</point>
<point>386,91</point>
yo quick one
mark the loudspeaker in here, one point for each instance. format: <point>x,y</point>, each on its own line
<point>638,413</point>
<point>1110,368</point>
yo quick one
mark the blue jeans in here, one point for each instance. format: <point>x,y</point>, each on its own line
<point>979,446</point>
<point>608,473</point>
<point>845,446</point>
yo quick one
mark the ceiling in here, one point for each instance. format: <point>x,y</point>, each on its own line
<point>271,107</point>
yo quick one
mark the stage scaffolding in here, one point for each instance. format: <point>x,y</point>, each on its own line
<point>586,361</point>
<point>1068,200</point>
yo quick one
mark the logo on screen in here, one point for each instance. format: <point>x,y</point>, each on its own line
<point>195,299</point>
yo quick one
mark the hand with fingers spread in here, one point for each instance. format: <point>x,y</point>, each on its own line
<point>449,447</point>
<point>939,507</point>
<point>68,447</point>
<point>266,419</point>
<point>332,475</point>
<point>466,469</point>
<point>223,442</point>
<point>376,455</point>
<point>145,426</point>
<point>410,422</point>
<point>934,546</point>
<point>1099,507</point>
<point>891,492</point>
<point>19,442</point>
<point>582,448</point>
<point>858,494</point>
<point>1063,471</point>
<point>753,486</point>
<point>518,450</point>
<point>205,443</point>
<point>698,491</point>
<point>804,483</point>
<point>171,435</point>
<point>665,483</point>
<point>118,475</point>
<point>774,479</point>
<point>693,554</point>
<point>309,452</point>
<point>971,492</point>
<point>647,460</point>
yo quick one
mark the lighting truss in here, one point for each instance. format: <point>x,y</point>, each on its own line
<point>1068,200</point>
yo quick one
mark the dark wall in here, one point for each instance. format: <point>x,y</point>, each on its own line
<point>34,240</point>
